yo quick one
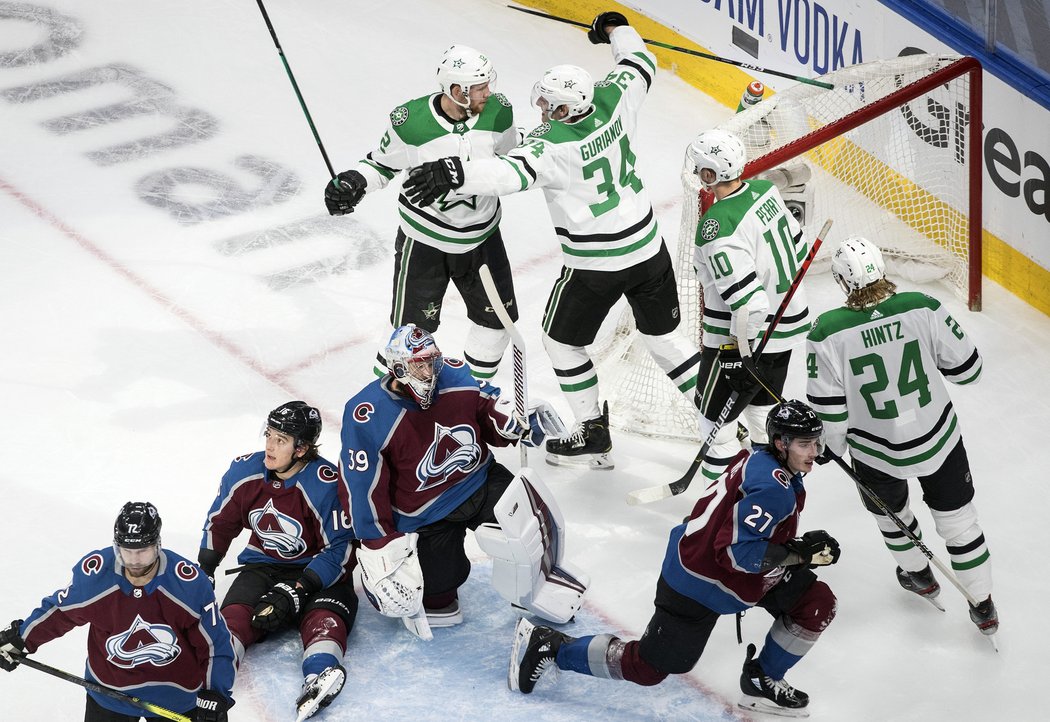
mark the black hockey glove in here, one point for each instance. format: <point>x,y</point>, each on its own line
<point>428,182</point>
<point>12,646</point>
<point>597,34</point>
<point>737,370</point>
<point>212,706</point>
<point>816,548</point>
<point>208,560</point>
<point>344,192</point>
<point>824,457</point>
<point>277,606</point>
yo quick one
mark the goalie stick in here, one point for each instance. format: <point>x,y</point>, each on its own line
<point>101,689</point>
<point>655,493</point>
<point>521,389</point>
<point>687,51</point>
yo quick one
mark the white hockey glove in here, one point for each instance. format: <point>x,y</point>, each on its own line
<point>392,577</point>
<point>542,421</point>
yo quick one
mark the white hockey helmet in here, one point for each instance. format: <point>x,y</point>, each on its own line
<point>857,263</point>
<point>414,359</point>
<point>466,67</point>
<point>719,151</point>
<point>568,85</point>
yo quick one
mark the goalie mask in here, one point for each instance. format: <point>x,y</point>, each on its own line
<point>857,264</point>
<point>567,85</point>
<point>466,67</point>
<point>719,151</point>
<point>414,360</point>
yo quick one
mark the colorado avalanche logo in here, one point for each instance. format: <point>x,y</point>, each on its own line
<point>363,412</point>
<point>454,449</point>
<point>278,532</point>
<point>143,643</point>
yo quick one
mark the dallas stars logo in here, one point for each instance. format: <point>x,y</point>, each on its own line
<point>716,149</point>
<point>458,63</point>
<point>570,83</point>
<point>445,205</point>
<point>431,311</point>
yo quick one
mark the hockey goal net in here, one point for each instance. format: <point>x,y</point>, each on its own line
<point>892,152</point>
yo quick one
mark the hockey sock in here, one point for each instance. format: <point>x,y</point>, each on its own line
<point>484,349</point>
<point>678,358</point>
<point>908,557</point>
<point>725,446</point>
<point>317,663</point>
<point>969,554</point>
<point>324,640</point>
<point>576,376</point>
<point>595,655</point>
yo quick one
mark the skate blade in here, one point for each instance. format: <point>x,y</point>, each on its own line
<point>761,704</point>
<point>521,633</point>
<point>583,461</point>
<point>935,602</point>
<point>991,641</point>
<point>324,694</point>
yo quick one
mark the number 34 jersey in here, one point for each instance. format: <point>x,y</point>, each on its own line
<point>748,250</point>
<point>601,211</point>
<point>874,377</point>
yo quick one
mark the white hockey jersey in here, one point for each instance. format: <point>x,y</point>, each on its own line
<point>419,132</point>
<point>601,211</point>
<point>749,248</point>
<point>874,378</point>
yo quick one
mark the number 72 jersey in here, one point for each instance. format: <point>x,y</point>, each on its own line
<point>874,378</point>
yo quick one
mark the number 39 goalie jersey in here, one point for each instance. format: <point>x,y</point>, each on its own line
<point>874,378</point>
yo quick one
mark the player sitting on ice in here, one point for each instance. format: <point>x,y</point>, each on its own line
<point>418,472</point>
<point>298,564</point>
<point>736,550</point>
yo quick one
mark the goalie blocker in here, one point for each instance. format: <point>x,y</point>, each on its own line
<point>527,550</point>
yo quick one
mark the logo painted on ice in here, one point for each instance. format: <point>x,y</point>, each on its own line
<point>453,449</point>
<point>709,231</point>
<point>277,531</point>
<point>143,643</point>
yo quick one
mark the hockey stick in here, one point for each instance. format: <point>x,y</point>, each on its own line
<point>109,692</point>
<point>687,51</point>
<point>295,87</point>
<point>655,493</point>
<point>521,389</point>
<point>870,494</point>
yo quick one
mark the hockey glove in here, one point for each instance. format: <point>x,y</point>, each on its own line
<point>12,646</point>
<point>824,457</point>
<point>212,706</point>
<point>208,560</point>
<point>344,192</point>
<point>277,606</point>
<point>428,182</point>
<point>738,371</point>
<point>544,421</point>
<point>597,33</point>
<point>816,548</point>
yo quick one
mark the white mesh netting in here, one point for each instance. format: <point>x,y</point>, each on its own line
<point>901,178</point>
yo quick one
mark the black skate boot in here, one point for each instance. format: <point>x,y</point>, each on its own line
<point>588,444</point>
<point>533,654</point>
<point>922,583</point>
<point>773,696</point>
<point>985,616</point>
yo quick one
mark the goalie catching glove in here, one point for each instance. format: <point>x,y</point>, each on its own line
<point>428,182</point>
<point>391,575</point>
<point>542,421</point>
<point>344,192</point>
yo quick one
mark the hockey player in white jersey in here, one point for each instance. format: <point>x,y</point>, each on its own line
<point>446,239</point>
<point>875,369</point>
<point>748,250</point>
<point>581,156</point>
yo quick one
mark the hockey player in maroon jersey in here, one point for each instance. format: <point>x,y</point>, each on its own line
<point>737,549</point>
<point>419,472</point>
<point>154,631</point>
<point>298,562</point>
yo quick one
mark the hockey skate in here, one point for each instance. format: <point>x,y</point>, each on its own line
<point>533,654</point>
<point>773,696</point>
<point>985,616</point>
<point>448,616</point>
<point>588,444</point>
<point>922,583</point>
<point>319,690</point>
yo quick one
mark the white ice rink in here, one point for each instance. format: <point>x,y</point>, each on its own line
<point>170,275</point>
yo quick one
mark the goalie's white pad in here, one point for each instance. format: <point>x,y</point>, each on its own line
<point>527,549</point>
<point>392,577</point>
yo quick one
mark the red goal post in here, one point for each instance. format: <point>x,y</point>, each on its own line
<point>892,153</point>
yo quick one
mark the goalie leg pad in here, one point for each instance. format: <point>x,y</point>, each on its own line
<point>392,577</point>
<point>527,550</point>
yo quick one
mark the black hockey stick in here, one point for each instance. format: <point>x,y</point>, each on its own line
<point>655,493</point>
<point>870,494</point>
<point>687,51</point>
<point>295,87</point>
<point>109,692</point>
